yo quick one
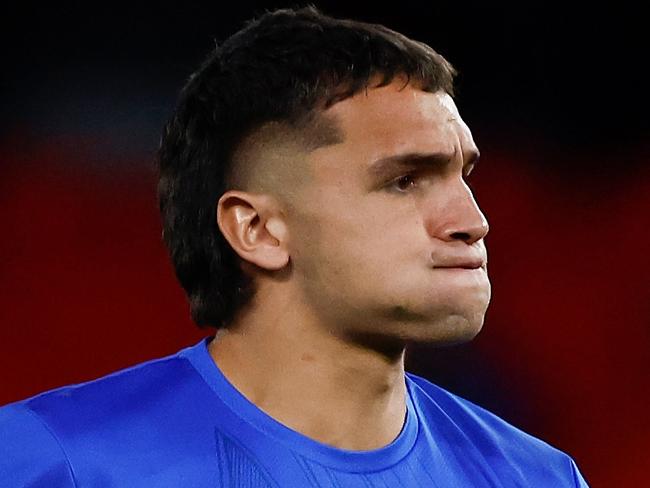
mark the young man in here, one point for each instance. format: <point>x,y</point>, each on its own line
<point>313,195</point>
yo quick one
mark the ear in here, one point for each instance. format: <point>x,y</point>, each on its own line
<point>254,227</point>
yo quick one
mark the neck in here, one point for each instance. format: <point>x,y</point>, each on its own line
<point>309,379</point>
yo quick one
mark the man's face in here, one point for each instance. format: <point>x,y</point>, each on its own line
<point>387,241</point>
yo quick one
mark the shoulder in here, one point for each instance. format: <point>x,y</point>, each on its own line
<point>56,432</point>
<point>495,439</point>
<point>473,419</point>
<point>29,451</point>
<point>112,395</point>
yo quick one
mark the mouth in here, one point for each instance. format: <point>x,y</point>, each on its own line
<point>460,259</point>
<point>462,267</point>
<point>480,269</point>
<point>469,265</point>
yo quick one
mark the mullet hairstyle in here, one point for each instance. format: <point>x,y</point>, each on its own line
<point>284,66</point>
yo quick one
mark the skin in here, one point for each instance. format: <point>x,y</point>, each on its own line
<point>352,266</point>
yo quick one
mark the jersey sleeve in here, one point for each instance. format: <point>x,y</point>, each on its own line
<point>30,454</point>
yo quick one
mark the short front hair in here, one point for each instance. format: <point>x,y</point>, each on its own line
<point>284,66</point>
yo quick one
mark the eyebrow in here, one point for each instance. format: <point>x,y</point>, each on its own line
<point>390,164</point>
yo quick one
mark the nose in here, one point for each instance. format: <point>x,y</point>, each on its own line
<point>458,216</point>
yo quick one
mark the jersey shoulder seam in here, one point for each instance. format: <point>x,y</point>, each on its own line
<point>45,425</point>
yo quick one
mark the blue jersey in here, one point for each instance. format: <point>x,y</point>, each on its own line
<point>178,422</point>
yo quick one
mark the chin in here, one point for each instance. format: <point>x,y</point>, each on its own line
<point>462,322</point>
<point>454,328</point>
<point>459,329</point>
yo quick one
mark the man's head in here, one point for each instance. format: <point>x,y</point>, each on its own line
<point>327,154</point>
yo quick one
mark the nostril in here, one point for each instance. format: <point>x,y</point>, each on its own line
<point>461,236</point>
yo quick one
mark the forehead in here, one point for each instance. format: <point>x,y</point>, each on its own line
<point>390,120</point>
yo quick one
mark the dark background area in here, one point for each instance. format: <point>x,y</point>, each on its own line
<point>557,101</point>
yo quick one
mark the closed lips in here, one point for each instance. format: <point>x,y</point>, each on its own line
<point>468,264</point>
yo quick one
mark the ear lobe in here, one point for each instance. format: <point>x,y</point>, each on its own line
<point>250,225</point>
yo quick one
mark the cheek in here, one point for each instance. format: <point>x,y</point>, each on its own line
<point>363,253</point>
<point>352,233</point>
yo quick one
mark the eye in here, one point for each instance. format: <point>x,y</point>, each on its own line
<point>403,183</point>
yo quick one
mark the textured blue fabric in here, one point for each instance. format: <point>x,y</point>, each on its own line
<point>178,422</point>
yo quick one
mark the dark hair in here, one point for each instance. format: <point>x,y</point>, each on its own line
<point>279,67</point>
